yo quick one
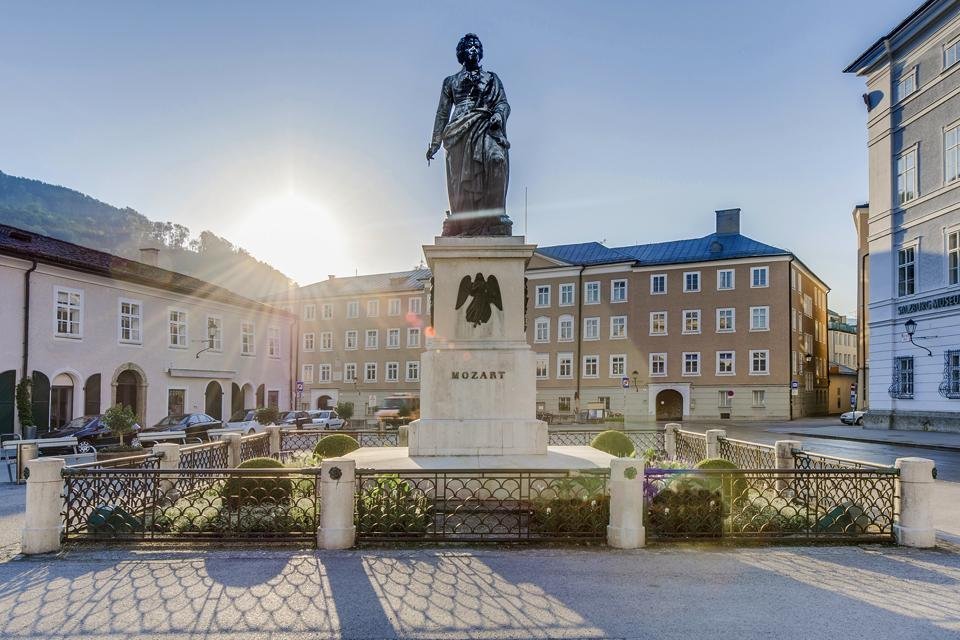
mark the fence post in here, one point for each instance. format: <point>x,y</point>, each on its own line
<point>233,449</point>
<point>625,530</point>
<point>915,528</point>
<point>27,453</point>
<point>403,436</point>
<point>670,439</point>
<point>338,481</point>
<point>169,453</point>
<point>783,451</point>
<point>42,525</point>
<point>274,432</point>
<point>713,441</point>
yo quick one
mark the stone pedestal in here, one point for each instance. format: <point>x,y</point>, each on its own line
<point>478,379</point>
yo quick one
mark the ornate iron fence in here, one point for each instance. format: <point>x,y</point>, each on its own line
<point>823,504</point>
<point>691,447</point>
<point>481,506</point>
<point>210,455</point>
<point>301,442</point>
<point>643,439</point>
<point>809,460</point>
<point>747,455</point>
<point>377,438</point>
<point>247,504</point>
<point>255,446</point>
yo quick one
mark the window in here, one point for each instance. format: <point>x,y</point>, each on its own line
<point>372,339</point>
<point>564,365</point>
<point>273,398</point>
<point>906,85</point>
<point>591,365</point>
<point>907,176</point>
<point>691,321</point>
<point>759,318</point>
<point>273,342</point>
<point>543,366</point>
<point>906,283</point>
<point>902,386</point>
<point>563,403</point>
<point>566,295</point>
<point>725,363</point>
<point>618,365</point>
<point>215,333</point>
<point>247,345</point>
<point>413,337</point>
<point>759,362</point>
<point>176,402</point>
<point>726,320</point>
<point>69,313</point>
<point>618,327</point>
<point>541,330</point>
<point>350,372</point>
<point>353,309</point>
<point>691,281</point>
<point>130,322</point>
<point>178,329</point>
<point>326,341</point>
<point>658,323</point>
<point>393,338</point>
<point>725,279</point>
<point>605,400</point>
<point>724,399</point>
<point>759,398</point>
<point>758,277</point>
<point>413,306</point>
<point>393,371</point>
<point>373,308</point>
<point>591,293</point>
<point>951,53</point>
<point>307,374</point>
<point>807,306</point>
<point>591,328</point>
<point>350,340</point>
<point>951,152</point>
<point>565,329</point>
<point>951,375</point>
<point>370,372</point>
<point>309,312</point>
<point>658,364</point>
<point>691,363</point>
<point>326,311</point>
<point>618,291</point>
<point>658,283</point>
<point>324,373</point>
<point>543,295</point>
<point>413,371</point>
<point>393,307</point>
<point>953,257</point>
<point>309,341</point>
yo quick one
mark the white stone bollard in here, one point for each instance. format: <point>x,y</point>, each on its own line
<point>783,450</point>
<point>670,439</point>
<point>625,530</point>
<point>169,453</point>
<point>713,442</point>
<point>233,449</point>
<point>338,483</point>
<point>274,431</point>
<point>915,528</point>
<point>403,436</point>
<point>27,453</point>
<point>42,525</point>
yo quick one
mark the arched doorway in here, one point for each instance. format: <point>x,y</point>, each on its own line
<point>323,402</point>
<point>8,392</point>
<point>129,385</point>
<point>669,405</point>
<point>261,397</point>
<point>249,397</point>
<point>91,395</point>
<point>61,400</point>
<point>236,399</point>
<point>214,400</point>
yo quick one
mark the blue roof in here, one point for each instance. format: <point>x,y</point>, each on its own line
<point>715,246</point>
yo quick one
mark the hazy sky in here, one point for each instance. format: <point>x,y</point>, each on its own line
<point>298,130</point>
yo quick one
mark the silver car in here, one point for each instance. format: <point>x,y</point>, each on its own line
<point>326,419</point>
<point>852,417</point>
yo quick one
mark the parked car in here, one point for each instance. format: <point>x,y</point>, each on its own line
<point>195,425</point>
<point>90,431</point>
<point>291,417</point>
<point>326,418</point>
<point>245,421</point>
<point>852,417</point>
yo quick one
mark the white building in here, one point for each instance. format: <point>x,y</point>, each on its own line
<point>102,330</point>
<point>913,316</point>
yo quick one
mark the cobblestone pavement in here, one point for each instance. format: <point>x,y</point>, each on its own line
<point>12,499</point>
<point>673,592</point>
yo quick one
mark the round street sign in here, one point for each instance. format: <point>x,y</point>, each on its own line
<point>794,384</point>
<point>625,382</point>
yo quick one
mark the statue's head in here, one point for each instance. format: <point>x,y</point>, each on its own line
<point>469,47</point>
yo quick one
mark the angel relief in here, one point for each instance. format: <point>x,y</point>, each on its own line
<point>485,292</point>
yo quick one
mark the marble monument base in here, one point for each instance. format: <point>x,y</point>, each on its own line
<point>478,437</point>
<point>399,459</point>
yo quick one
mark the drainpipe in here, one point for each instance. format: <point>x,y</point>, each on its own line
<point>790,325</point>
<point>26,317</point>
<point>576,361</point>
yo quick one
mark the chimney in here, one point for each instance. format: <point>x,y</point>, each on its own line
<point>728,221</point>
<point>150,256</point>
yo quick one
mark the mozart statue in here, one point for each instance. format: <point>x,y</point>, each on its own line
<point>475,141</point>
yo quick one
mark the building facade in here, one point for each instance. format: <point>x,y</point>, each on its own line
<point>913,125</point>
<point>92,330</point>
<point>842,340</point>
<point>861,222</point>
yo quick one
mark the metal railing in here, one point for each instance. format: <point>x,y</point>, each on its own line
<point>481,506</point>
<point>691,446</point>
<point>809,460</point>
<point>255,446</point>
<point>140,461</point>
<point>822,504</point>
<point>642,439</point>
<point>747,455</point>
<point>210,455</point>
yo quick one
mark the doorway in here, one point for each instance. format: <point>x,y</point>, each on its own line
<point>61,401</point>
<point>214,400</point>
<point>669,405</point>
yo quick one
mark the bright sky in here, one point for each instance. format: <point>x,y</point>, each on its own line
<point>298,131</point>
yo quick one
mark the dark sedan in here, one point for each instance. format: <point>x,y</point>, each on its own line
<point>195,425</point>
<point>91,434</point>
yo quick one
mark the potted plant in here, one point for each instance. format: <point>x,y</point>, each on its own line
<point>120,420</point>
<point>28,428</point>
<point>345,411</point>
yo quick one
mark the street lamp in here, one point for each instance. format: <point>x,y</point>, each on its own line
<point>636,374</point>
<point>911,326</point>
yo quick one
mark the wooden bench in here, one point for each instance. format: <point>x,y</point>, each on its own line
<point>13,451</point>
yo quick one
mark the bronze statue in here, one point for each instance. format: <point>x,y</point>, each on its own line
<point>475,141</point>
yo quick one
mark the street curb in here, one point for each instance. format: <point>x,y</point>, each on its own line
<point>916,445</point>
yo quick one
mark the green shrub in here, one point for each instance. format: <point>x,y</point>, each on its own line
<point>393,505</point>
<point>335,445</point>
<point>266,415</point>
<point>686,510</point>
<point>615,443</point>
<point>24,403</point>
<point>257,490</point>
<point>120,420</point>
<point>761,517</point>
<point>571,506</point>
<point>345,410</point>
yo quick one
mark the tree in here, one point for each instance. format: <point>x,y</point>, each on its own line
<point>24,404</point>
<point>120,420</point>
<point>345,410</point>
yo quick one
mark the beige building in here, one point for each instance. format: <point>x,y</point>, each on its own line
<point>707,328</point>
<point>842,340</point>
